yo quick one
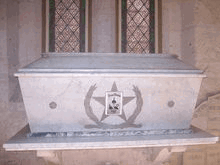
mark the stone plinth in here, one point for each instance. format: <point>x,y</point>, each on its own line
<point>22,141</point>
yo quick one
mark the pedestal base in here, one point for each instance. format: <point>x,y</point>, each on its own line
<point>21,141</point>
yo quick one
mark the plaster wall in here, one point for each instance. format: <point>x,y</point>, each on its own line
<point>191,29</point>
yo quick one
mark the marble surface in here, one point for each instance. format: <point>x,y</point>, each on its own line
<point>108,92</point>
<point>23,142</point>
<point>109,63</point>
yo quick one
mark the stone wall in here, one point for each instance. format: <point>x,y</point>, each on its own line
<point>199,46</point>
<point>103,26</point>
<point>191,29</point>
<point>20,44</point>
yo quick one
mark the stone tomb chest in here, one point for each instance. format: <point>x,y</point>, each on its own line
<point>106,93</point>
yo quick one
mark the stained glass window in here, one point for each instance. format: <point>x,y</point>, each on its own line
<point>67,25</point>
<point>138,26</point>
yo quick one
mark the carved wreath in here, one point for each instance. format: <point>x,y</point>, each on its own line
<point>99,124</point>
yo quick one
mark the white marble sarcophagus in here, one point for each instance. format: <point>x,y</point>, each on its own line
<point>105,94</point>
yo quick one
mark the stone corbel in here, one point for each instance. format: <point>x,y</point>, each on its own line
<point>165,154</point>
<point>54,157</point>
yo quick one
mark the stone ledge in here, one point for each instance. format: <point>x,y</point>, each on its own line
<point>21,141</point>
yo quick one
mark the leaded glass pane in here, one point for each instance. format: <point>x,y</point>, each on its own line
<point>138,26</point>
<point>66,26</point>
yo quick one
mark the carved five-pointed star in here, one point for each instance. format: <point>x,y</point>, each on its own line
<point>125,100</point>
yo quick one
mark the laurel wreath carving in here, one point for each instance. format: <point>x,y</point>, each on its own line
<point>128,123</point>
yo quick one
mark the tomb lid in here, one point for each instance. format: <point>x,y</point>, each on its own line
<point>108,63</point>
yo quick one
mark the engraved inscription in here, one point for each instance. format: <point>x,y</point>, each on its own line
<point>111,133</point>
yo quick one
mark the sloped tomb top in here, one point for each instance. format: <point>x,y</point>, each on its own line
<point>109,63</point>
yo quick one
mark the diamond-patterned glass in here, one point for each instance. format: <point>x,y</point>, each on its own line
<point>138,26</point>
<point>66,28</point>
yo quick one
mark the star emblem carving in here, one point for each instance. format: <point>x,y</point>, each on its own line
<point>125,100</point>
